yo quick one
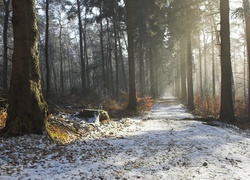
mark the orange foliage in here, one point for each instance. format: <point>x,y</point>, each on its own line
<point>207,106</point>
<point>211,107</point>
<point>240,107</point>
<point>3,117</point>
<point>145,103</point>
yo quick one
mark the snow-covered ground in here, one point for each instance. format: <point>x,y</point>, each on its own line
<point>159,145</point>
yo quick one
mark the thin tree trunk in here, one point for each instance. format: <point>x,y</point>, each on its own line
<point>205,66</point>
<point>142,73</point>
<point>116,56</point>
<point>5,44</point>
<point>183,79</point>
<point>247,21</point>
<point>102,53</point>
<point>47,51</point>
<point>86,52</point>
<point>200,70</point>
<point>177,79</point>
<point>190,72</point>
<point>244,72</point>
<point>122,63</point>
<point>151,68</point>
<point>69,69</point>
<point>82,62</point>
<point>61,61</point>
<point>213,63</point>
<point>110,65</point>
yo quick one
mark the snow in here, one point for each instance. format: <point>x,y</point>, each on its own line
<point>159,145</point>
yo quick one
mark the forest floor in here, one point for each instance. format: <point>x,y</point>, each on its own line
<point>165,143</point>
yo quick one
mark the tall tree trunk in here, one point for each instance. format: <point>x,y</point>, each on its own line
<point>122,63</point>
<point>183,79</point>
<point>131,61</point>
<point>247,21</point>
<point>205,87</point>
<point>27,107</point>
<point>82,61</point>
<point>116,55</point>
<point>110,78</point>
<point>244,73</point>
<point>226,110</point>
<point>213,63</point>
<point>70,68</point>
<point>5,44</point>
<point>61,60</point>
<point>47,51</point>
<point>151,69</point>
<point>190,72</point>
<point>200,70</point>
<point>142,73</point>
<point>86,57</point>
<point>177,78</point>
<point>102,53</point>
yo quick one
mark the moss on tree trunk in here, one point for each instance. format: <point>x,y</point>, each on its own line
<point>27,107</point>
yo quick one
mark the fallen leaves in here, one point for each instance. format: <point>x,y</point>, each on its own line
<point>3,117</point>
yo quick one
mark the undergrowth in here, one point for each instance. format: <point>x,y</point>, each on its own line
<point>208,106</point>
<point>115,107</point>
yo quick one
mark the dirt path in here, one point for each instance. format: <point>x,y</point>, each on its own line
<point>159,146</point>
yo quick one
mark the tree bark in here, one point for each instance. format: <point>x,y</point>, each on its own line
<point>102,53</point>
<point>61,59</point>
<point>226,110</point>
<point>200,73</point>
<point>82,62</point>
<point>213,63</point>
<point>116,55</point>
<point>247,21</point>
<point>5,44</point>
<point>125,86</point>
<point>152,72</point>
<point>47,51</point>
<point>183,79</point>
<point>27,107</point>
<point>86,57</point>
<point>142,73</point>
<point>190,72</point>
<point>131,61</point>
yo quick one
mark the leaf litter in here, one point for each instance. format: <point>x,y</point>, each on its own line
<point>159,145</point>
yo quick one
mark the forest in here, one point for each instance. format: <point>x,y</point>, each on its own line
<point>125,51</point>
<point>124,89</point>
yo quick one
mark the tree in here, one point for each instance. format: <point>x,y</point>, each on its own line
<point>226,110</point>
<point>132,90</point>
<point>47,50</point>
<point>27,107</point>
<point>247,22</point>
<point>83,74</point>
<point>190,72</point>
<point>5,44</point>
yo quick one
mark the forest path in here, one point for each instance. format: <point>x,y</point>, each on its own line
<point>169,107</point>
<point>160,145</point>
